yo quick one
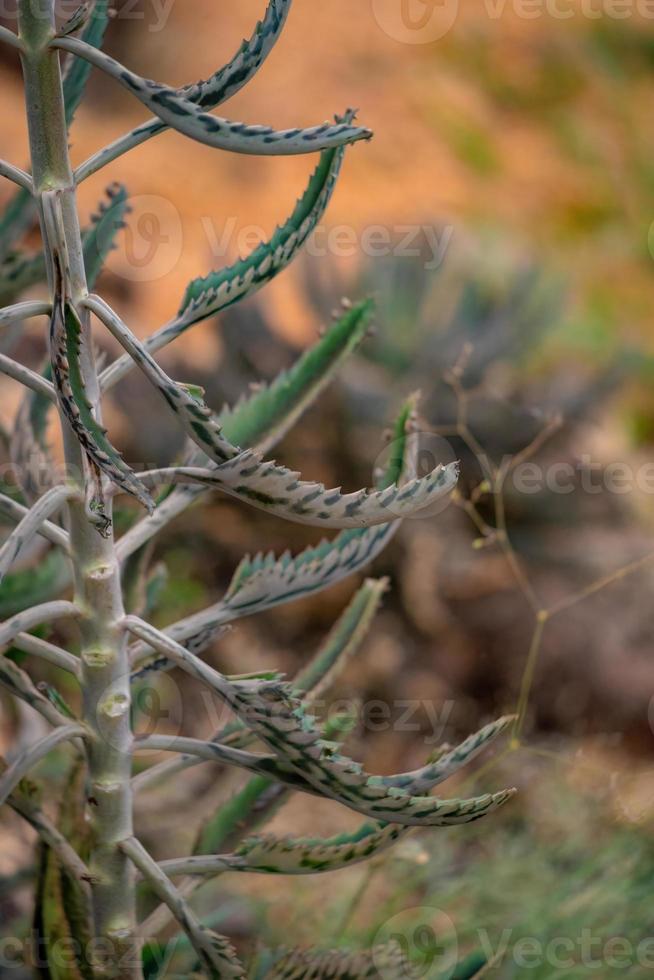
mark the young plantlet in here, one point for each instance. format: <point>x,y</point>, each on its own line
<point>93,861</point>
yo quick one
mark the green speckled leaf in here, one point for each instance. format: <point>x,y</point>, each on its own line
<point>208,295</point>
<point>263,418</point>
<point>185,117</point>
<point>384,963</point>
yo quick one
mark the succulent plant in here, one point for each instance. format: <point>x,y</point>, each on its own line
<point>92,861</point>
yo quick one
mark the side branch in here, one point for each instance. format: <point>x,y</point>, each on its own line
<point>185,117</point>
<point>15,174</point>
<point>36,647</point>
<point>20,685</point>
<point>23,311</point>
<point>20,768</point>
<point>215,953</point>
<point>260,765</point>
<point>55,535</point>
<point>29,526</point>
<point>222,85</point>
<point>68,857</point>
<point>48,612</point>
<point>27,377</point>
<point>10,38</point>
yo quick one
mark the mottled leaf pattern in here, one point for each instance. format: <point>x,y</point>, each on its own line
<point>253,806</point>
<point>384,963</point>
<point>271,855</point>
<point>210,93</point>
<point>260,798</point>
<point>209,295</point>
<point>265,484</point>
<point>451,760</point>
<point>246,62</point>
<point>266,581</point>
<point>264,417</point>
<point>65,349</point>
<point>273,488</point>
<point>268,854</point>
<point>182,115</point>
<point>281,723</point>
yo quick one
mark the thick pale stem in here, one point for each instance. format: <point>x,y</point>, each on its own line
<point>105,669</point>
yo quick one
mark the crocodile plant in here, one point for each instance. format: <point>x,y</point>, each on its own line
<point>100,587</point>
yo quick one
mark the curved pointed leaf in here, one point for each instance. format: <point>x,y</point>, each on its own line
<point>183,116</point>
<point>67,374</point>
<point>264,417</point>
<point>268,854</point>
<point>210,294</point>
<point>340,965</point>
<point>266,581</point>
<point>207,94</point>
<point>260,797</point>
<point>281,723</point>
<point>452,760</point>
<point>279,491</point>
<point>246,62</point>
<point>262,483</point>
